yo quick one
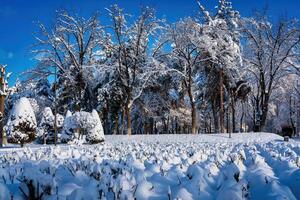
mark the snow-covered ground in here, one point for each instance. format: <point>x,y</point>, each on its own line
<point>248,166</point>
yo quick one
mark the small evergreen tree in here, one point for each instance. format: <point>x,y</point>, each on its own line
<point>21,125</point>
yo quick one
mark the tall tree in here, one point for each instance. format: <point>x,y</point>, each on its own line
<point>185,53</point>
<point>270,55</point>
<point>3,93</point>
<point>130,49</point>
<point>70,46</point>
<point>221,51</point>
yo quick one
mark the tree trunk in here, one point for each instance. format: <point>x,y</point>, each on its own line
<point>116,128</point>
<point>221,102</point>
<point>176,125</point>
<point>264,114</point>
<point>227,121</point>
<point>205,125</point>
<point>291,116</point>
<point>194,118</point>
<point>151,125</point>
<point>123,121</point>
<point>242,118</point>
<point>168,125</point>
<point>193,106</point>
<point>2,100</point>
<point>210,125</point>
<point>128,120</point>
<point>256,116</point>
<point>233,114</point>
<point>216,118</point>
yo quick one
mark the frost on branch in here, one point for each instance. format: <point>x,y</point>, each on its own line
<point>21,125</point>
<point>83,126</point>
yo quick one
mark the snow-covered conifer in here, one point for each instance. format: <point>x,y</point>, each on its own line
<point>95,134</point>
<point>21,125</point>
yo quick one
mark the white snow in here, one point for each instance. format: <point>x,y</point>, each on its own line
<point>247,166</point>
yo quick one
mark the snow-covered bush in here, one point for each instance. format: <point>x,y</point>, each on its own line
<point>46,129</point>
<point>83,126</point>
<point>21,125</point>
<point>95,133</point>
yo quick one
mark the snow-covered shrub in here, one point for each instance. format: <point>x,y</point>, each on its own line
<point>83,125</point>
<point>34,184</point>
<point>21,125</point>
<point>46,129</point>
<point>95,133</point>
<point>67,133</point>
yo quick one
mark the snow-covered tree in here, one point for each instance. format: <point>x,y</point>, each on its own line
<point>130,49</point>
<point>95,133</point>
<point>21,125</point>
<point>4,91</point>
<point>270,55</point>
<point>186,57</point>
<point>145,76</point>
<point>65,51</point>
<point>221,55</point>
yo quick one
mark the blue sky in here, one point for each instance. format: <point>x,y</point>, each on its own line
<point>18,19</point>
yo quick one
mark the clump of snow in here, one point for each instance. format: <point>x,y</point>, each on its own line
<point>21,125</point>
<point>83,126</point>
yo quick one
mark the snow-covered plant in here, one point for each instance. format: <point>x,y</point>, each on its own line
<point>35,184</point>
<point>21,125</point>
<point>95,134</point>
<point>83,126</point>
<point>46,128</point>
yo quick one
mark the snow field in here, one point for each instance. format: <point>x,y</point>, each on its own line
<point>250,166</point>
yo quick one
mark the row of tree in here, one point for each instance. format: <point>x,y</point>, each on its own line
<point>215,73</point>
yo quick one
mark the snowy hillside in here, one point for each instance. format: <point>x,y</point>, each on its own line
<point>249,166</point>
